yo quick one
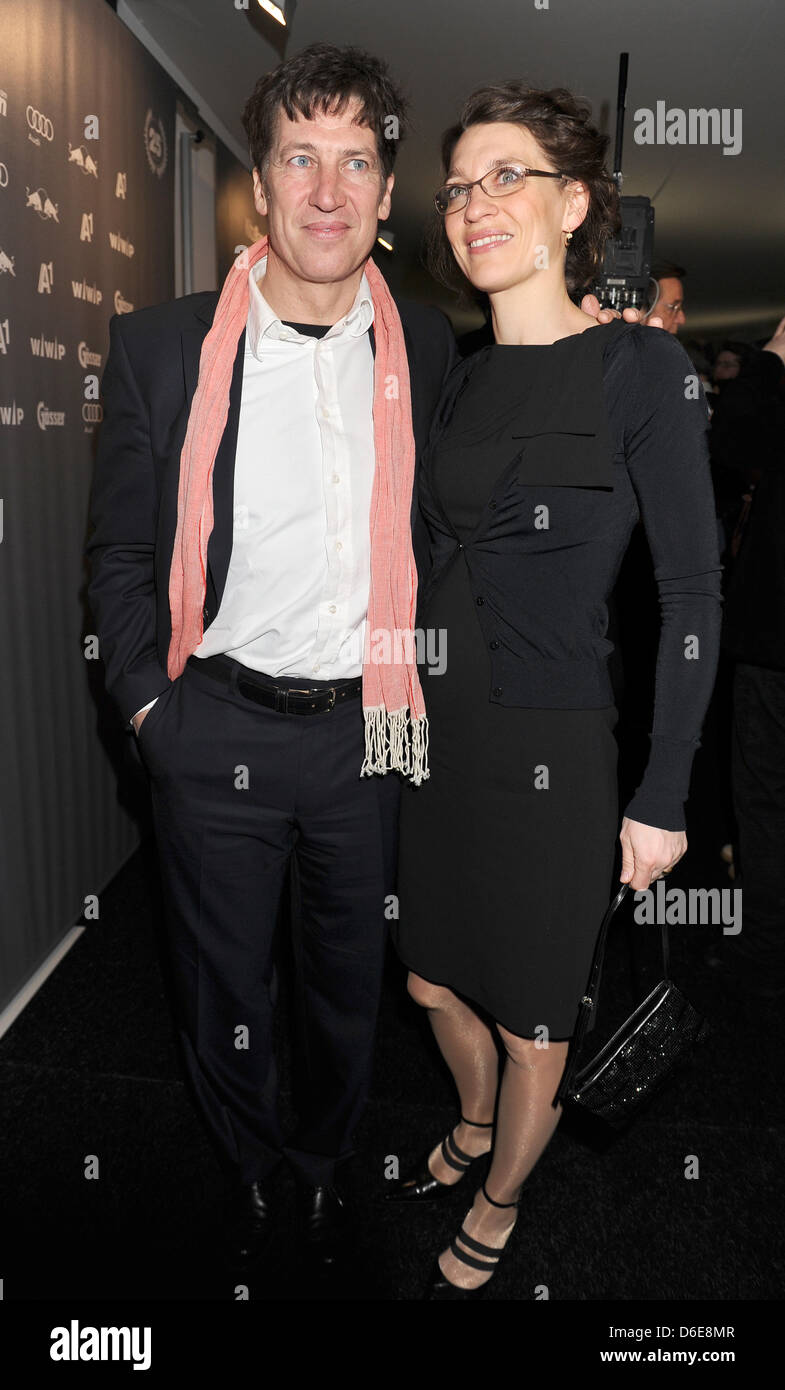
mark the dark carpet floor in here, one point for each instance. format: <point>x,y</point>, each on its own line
<point>92,1068</point>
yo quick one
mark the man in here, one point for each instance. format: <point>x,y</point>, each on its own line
<point>746,440</point>
<point>254,748</point>
<point>669,304</point>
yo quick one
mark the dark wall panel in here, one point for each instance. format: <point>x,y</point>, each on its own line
<point>86,230</point>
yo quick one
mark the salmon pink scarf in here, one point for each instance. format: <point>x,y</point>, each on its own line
<point>396,727</point>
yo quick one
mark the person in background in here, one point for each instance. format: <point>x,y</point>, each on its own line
<point>753,639</point>
<point>669,304</point>
<point>727,363</point>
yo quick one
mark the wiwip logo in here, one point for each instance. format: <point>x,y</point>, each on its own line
<point>119,243</point>
<point>12,414</point>
<point>77,1343</point>
<point>698,125</point>
<point>7,264</point>
<point>89,293</point>
<point>692,907</point>
<point>48,347</point>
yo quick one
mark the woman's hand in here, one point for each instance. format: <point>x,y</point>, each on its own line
<point>590,305</point>
<point>648,853</point>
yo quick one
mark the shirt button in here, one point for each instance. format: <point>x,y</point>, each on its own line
<point>497,690</point>
<point>480,602</point>
<point>336,477</point>
<point>339,545</point>
<point>331,609</point>
<point>316,667</point>
<point>494,645</point>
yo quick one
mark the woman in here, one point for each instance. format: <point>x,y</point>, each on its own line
<point>548,446</point>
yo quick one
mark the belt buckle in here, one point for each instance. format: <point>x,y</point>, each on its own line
<point>331,693</point>
<point>294,691</point>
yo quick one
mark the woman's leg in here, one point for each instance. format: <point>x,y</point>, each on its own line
<point>525,1122</point>
<point>467,1046</point>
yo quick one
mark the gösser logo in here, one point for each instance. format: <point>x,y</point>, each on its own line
<point>39,125</point>
<point>47,417</point>
<point>86,357</point>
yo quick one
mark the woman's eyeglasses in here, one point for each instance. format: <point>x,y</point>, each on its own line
<point>497,183</point>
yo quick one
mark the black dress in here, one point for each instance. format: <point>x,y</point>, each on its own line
<point>506,851</point>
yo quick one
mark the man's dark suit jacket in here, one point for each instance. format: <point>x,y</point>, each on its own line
<point>147,386</point>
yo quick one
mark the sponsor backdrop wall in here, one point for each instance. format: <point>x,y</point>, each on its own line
<point>86,231</point>
<point>237,223</point>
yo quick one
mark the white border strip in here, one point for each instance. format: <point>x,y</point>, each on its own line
<point>31,987</point>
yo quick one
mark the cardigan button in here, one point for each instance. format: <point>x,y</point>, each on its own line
<point>492,506</point>
<point>494,645</point>
<point>480,602</point>
<point>497,690</point>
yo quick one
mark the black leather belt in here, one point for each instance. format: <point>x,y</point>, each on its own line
<point>265,690</point>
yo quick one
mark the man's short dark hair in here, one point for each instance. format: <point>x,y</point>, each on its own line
<point>324,78</point>
<point>668,270</point>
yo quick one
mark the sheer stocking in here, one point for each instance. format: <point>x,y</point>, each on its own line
<point>468,1048</point>
<point>525,1123</point>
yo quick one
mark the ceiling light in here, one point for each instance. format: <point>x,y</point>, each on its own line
<point>283,11</point>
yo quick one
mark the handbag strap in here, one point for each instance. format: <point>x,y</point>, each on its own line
<point>589,999</point>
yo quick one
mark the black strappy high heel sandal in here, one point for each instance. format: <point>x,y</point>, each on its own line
<point>421,1186</point>
<point>440,1288</point>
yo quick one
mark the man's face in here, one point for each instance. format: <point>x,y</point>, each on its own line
<point>323,194</point>
<point>670,305</point>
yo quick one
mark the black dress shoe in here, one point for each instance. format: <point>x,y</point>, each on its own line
<point>439,1288</point>
<point>325,1225</point>
<point>421,1186</point>
<point>251,1226</point>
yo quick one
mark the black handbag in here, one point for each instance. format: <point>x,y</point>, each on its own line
<point>642,1054</point>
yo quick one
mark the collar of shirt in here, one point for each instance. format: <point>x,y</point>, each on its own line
<point>263,324</point>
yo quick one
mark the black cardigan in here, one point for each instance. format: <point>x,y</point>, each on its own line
<point>607,426</point>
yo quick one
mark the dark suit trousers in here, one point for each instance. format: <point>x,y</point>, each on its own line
<point>237,790</point>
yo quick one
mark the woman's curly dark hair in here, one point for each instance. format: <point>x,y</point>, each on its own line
<point>562,127</point>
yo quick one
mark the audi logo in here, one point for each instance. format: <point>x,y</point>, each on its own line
<point>39,123</point>
<point>92,414</point>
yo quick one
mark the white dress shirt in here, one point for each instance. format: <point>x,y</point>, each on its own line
<point>296,595</point>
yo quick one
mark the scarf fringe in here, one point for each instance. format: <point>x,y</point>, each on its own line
<point>394,743</point>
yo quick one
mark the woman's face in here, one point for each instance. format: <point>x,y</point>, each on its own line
<point>727,366</point>
<point>500,242</point>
